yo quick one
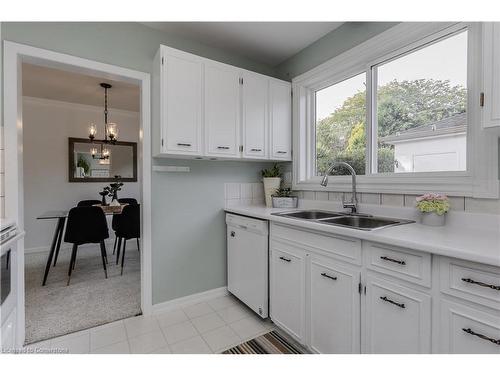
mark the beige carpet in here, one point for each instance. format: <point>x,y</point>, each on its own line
<point>90,300</point>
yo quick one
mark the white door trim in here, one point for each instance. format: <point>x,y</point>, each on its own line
<point>14,55</point>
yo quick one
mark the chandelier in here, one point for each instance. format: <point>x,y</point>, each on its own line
<point>110,132</point>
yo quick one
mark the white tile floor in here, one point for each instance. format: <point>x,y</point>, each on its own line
<point>207,327</point>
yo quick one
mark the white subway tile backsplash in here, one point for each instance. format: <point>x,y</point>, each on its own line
<point>321,195</point>
<point>335,196</point>
<point>370,198</point>
<point>243,194</point>
<point>410,200</point>
<point>457,203</point>
<point>232,191</point>
<point>310,195</point>
<point>485,206</point>
<point>257,190</point>
<point>246,191</point>
<point>393,200</point>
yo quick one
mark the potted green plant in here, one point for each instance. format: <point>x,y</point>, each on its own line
<point>283,198</point>
<point>433,208</point>
<point>112,191</point>
<point>84,166</point>
<point>271,178</point>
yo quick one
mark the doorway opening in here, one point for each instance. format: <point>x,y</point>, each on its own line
<point>52,100</point>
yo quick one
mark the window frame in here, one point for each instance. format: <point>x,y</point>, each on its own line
<point>391,44</point>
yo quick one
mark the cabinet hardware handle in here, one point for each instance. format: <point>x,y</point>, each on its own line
<point>324,274</point>
<point>233,234</point>
<point>402,262</point>
<point>481,336</point>
<point>281,152</point>
<point>184,144</point>
<point>495,287</point>
<point>402,305</point>
<point>223,147</point>
<point>285,259</point>
<point>256,149</point>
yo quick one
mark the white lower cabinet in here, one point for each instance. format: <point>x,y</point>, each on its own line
<point>396,319</point>
<point>334,307</point>
<point>287,289</point>
<point>332,303</point>
<point>467,330</point>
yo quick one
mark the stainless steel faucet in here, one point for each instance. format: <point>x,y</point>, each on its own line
<point>353,204</point>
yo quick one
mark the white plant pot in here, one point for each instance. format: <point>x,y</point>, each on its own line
<point>114,203</point>
<point>271,184</point>
<point>432,219</point>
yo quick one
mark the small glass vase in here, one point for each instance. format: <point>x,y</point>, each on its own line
<point>432,219</point>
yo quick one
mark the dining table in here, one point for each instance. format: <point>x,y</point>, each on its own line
<point>60,216</point>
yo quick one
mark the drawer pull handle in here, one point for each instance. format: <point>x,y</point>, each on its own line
<point>184,144</point>
<point>281,152</point>
<point>223,147</point>
<point>471,332</point>
<point>324,274</point>
<point>402,305</point>
<point>285,259</point>
<point>495,287</point>
<point>256,149</point>
<point>402,262</point>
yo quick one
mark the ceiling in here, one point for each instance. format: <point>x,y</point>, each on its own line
<point>56,84</point>
<point>269,43</point>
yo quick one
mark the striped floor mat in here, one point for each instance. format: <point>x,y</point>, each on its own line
<point>270,343</point>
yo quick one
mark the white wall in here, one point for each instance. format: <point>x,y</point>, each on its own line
<point>446,153</point>
<point>47,126</point>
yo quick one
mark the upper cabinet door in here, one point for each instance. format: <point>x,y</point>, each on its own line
<point>281,120</point>
<point>491,74</point>
<point>255,116</point>
<point>181,107</point>
<point>222,110</point>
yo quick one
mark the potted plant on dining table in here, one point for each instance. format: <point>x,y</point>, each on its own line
<point>112,191</point>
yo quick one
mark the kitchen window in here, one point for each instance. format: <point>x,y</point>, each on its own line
<point>402,108</point>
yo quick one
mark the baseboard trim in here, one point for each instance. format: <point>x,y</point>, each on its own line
<point>45,249</point>
<point>189,300</point>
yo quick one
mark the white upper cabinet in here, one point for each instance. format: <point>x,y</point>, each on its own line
<point>222,110</point>
<point>491,74</point>
<point>206,109</point>
<point>255,116</point>
<point>280,120</point>
<point>181,103</point>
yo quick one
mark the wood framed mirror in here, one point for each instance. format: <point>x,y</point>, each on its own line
<point>96,161</point>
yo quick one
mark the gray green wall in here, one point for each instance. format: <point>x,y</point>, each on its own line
<point>189,253</point>
<point>189,225</point>
<point>332,44</point>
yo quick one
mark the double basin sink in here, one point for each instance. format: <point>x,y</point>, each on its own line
<point>342,219</point>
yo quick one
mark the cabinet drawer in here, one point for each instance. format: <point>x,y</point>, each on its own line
<point>465,330</point>
<point>471,281</point>
<point>409,265</point>
<point>344,248</point>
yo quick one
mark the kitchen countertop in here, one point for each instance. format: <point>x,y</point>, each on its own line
<point>468,242</point>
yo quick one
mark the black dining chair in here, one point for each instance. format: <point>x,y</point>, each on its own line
<point>127,227</point>
<point>113,222</point>
<point>88,202</point>
<point>86,225</point>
